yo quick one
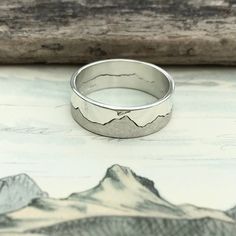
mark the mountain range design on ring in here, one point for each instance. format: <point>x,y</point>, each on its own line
<point>121,125</point>
<point>126,118</point>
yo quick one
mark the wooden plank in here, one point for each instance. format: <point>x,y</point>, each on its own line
<point>80,31</point>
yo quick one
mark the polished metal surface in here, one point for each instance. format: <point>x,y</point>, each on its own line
<point>121,121</point>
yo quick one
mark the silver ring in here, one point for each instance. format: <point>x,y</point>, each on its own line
<point>121,121</point>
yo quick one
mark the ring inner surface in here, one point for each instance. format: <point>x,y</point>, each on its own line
<point>122,74</point>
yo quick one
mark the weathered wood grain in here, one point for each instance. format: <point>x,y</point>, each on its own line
<point>79,31</point>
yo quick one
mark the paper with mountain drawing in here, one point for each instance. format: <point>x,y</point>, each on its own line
<point>123,203</point>
<point>192,161</point>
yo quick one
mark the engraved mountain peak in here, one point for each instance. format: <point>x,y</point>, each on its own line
<point>125,122</point>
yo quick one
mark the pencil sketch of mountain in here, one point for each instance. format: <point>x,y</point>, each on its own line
<point>232,213</point>
<point>123,203</point>
<point>123,185</point>
<point>17,192</point>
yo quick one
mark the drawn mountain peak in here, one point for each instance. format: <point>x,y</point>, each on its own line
<point>232,213</point>
<point>140,193</point>
<point>120,174</point>
<point>120,178</point>
<point>123,203</point>
<point>18,191</point>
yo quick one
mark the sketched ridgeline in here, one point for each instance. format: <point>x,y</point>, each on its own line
<point>17,191</point>
<point>123,203</point>
<point>232,213</point>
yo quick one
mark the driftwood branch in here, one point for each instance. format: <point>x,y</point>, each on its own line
<point>79,31</point>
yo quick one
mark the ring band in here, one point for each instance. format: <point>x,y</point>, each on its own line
<point>121,121</point>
